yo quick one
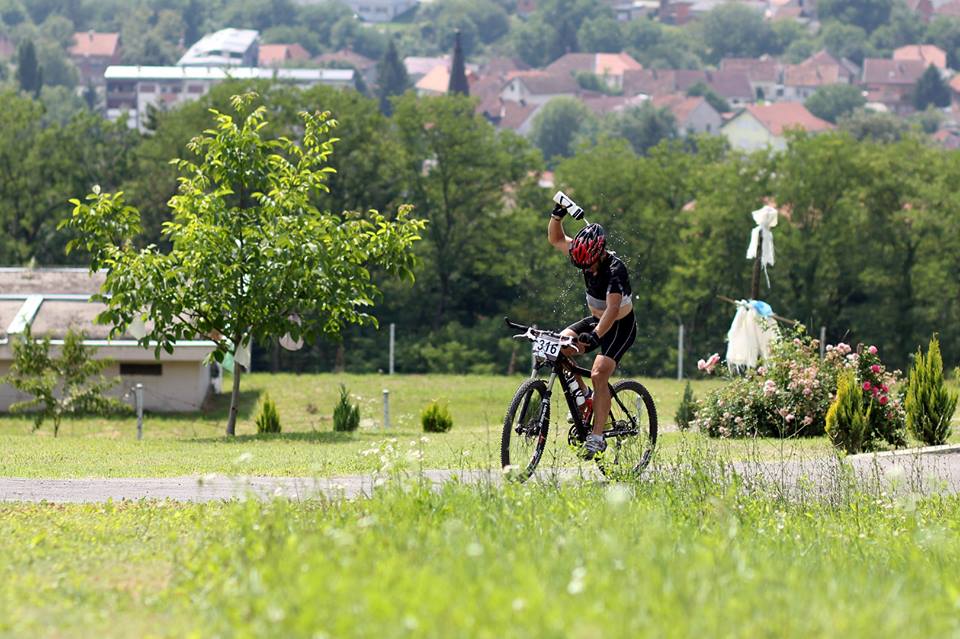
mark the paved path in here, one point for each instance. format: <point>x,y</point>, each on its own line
<point>928,473</point>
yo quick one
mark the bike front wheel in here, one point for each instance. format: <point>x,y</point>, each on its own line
<point>630,431</point>
<point>525,429</point>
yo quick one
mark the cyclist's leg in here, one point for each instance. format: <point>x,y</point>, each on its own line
<point>603,369</point>
<point>585,325</point>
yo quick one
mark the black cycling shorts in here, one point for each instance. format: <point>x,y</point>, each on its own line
<point>615,342</point>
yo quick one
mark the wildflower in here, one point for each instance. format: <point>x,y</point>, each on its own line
<point>576,586</point>
<point>807,391</point>
<point>769,387</point>
<point>790,417</point>
<point>807,420</point>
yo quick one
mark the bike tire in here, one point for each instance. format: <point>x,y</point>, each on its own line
<point>525,428</point>
<point>631,406</point>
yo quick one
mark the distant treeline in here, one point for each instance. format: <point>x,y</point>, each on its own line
<point>868,244</point>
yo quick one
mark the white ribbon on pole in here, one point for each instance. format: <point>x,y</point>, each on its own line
<point>766,219</point>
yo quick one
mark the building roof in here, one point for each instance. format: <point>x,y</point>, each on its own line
<point>543,83</point>
<point>119,72</point>
<point>513,115</point>
<point>731,85</point>
<point>681,106</point>
<point>949,9</point>
<point>502,66</point>
<point>763,69</point>
<point>948,139</point>
<point>926,53</point>
<point>613,64</point>
<point>93,44</point>
<point>780,116</point>
<point>225,47</point>
<point>347,56</point>
<point>6,47</point>
<point>39,281</point>
<point>420,66</point>
<point>883,71</point>
<point>275,54</point>
<point>437,80</point>
<point>811,75</point>
<point>604,104</point>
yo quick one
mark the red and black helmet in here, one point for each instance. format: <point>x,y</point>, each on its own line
<point>588,246</point>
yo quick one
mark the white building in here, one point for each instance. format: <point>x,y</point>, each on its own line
<point>224,48</point>
<point>51,301</point>
<point>380,10</point>
<point>132,90</point>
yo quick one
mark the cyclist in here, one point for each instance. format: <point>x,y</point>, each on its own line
<point>611,325</point>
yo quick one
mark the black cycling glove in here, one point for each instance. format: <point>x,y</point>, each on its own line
<point>591,339</point>
<point>558,212</point>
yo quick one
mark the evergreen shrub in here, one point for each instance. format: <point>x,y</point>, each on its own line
<point>268,421</point>
<point>848,421</point>
<point>346,416</point>
<point>436,418</point>
<point>687,409</point>
<point>929,404</point>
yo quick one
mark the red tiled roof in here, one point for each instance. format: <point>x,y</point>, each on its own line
<point>809,75</point>
<point>883,71</point>
<point>730,85</point>
<point>764,69</point>
<point>93,44</point>
<point>543,83</point>
<point>273,54</point>
<point>6,47</point>
<point>779,116</point>
<point>679,105</point>
<point>513,115</point>
<point>926,53</point>
<point>951,9</point>
<point>346,56</point>
<point>614,64</point>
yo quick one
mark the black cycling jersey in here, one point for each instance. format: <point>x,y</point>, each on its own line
<point>611,277</point>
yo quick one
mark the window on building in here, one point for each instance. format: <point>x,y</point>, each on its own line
<point>148,88</point>
<point>143,370</point>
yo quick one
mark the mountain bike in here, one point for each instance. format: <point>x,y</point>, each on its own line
<point>630,431</point>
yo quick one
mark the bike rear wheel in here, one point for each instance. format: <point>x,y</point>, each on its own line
<point>630,431</point>
<point>525,429</point>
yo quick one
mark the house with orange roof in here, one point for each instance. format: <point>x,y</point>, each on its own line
<point>692,115</point>
<point>608,66</point>
<point>436,82</point>
<point>800,81</point>
<point>92,53</point>
<point>764,126</point>
<point>277,55</point>
<point>765,74</point>
<point>926,53</point>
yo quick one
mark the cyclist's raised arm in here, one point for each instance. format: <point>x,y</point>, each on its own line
<point>556,236</point>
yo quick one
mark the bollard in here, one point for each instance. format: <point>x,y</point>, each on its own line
<point>138,394</point>
<point>386,409</point>
<point>680,353</point>
<point>393,339</point>
<point>823,341</point>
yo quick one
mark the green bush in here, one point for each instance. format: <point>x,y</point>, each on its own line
<point>848,423</point>
<point>436,418</point>
<point>686,411</point>
<point>929,404</point>
<point>268,421</point>
<point>346,416</point>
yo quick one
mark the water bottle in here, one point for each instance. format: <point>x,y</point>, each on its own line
<point>575,211</point>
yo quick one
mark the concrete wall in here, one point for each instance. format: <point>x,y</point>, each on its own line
<point>747,134</point>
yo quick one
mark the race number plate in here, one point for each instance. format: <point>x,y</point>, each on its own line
<point>547,347</point>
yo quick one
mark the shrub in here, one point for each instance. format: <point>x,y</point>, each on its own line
<point>848,423</point>
<point>346,416</point>
<point>789,395</point>
<point>686,411</point>
<point>436,418</point>
<point>268,421</point>
<point>929,405</point>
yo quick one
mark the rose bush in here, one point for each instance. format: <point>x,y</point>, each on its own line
<point>789,395</point>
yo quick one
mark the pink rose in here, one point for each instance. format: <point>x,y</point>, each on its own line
<point>885,388</point>
<point>875,368</point>
<point>867,386</point>
<point>872,350</point>
<point>790,417</point>
<point>884,400</point>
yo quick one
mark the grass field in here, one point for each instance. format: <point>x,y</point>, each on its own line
<point>195,444</point>
<point>678,556</point>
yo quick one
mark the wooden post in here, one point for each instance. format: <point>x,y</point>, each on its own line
<point>755,283</point>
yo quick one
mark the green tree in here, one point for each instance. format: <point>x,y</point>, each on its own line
<point>29,73</point>
<point>734,30</point>
<point>58,70</point>
<point>458,172</point>
<point>458,71</point>
<point>559,125</point>
<point>251,253</point>
<point>878,127</point>
<point>944,32</point>
<point>865,14</point>
<point>601,35</point>
<point>847,41</point>
<point>392,78</point>
<point>643,127</point>
<point>931,90</point>
<point>835,101</point>
<point>68,384</point>
<point>929,403</point>
<point>716,101</point>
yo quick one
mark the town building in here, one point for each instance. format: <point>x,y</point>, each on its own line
<point>926,53</point>
<point>92,53</point>
<point>278,55</point>
<point>764,126</point>
<point>380,10</point>
<point>732,86</point>
<point>891,82</point>
<point>52,301</point>
<point>692,115</point>
<point>800,81</point>
<point>224,48</point>
<point>133,91</point>
<point>765,75</point>
<point>538,87</point>
<point>609,67</point>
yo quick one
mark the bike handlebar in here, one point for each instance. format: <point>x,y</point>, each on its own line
<point>511,324</point>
